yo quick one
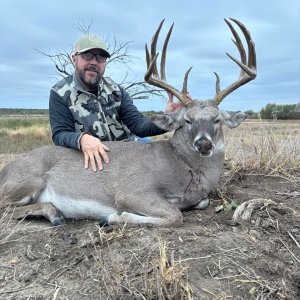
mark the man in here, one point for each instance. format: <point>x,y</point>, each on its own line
<point>87,109</point>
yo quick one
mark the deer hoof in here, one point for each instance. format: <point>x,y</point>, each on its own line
<point>58,221</point>
<point>103,222</point>
<point>204,203</point>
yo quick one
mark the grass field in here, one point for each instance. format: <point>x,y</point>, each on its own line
<point>265,146</point>
<point>261,146</point>
<point>19,135</point>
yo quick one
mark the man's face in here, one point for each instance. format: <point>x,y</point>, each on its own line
<point>89,67</point>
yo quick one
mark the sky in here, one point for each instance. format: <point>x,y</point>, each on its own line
<point>200,39</point>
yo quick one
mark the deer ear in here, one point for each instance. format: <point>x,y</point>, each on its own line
<point>232,119</point>
<point>168,121</point>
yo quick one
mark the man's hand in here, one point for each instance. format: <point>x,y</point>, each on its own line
<point>94,152</point>
<point>171,106</point>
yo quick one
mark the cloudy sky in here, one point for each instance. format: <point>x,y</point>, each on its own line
<point>200,39</point>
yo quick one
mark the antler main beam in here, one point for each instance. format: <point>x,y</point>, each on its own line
<point>248,68</point>
<point>152,77</point>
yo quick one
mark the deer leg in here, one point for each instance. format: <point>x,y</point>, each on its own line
<point>45,209</point>
<point>21,192</point>
<point>132,218</point>
<point>203,203</point>
<point>151,209</point>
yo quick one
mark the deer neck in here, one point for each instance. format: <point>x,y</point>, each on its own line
<point>185,153</point>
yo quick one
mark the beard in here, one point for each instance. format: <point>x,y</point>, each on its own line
<point>90,82</point>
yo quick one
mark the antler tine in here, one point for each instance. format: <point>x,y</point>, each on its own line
<point>147,56</point>
<point>163,67</point>
<point>163,56</point>
<point>250,43</point>
<point>248,68</point>
<point>239,45</point>
<point>153,46</point>
<point>184,87</point>
<point>152,76</point>
<point>251,49</point>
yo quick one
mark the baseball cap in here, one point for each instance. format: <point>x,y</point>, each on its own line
<point>88,42</point>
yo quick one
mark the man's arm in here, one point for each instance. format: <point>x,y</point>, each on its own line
<point>64,134</point>
<point>134,120</point>
<point>62,123</point>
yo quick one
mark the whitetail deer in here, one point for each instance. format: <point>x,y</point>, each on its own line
<point>144,182</point>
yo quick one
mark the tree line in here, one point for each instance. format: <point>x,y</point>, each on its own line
<point>277,111</point>
<point>270,111</point>
<point>22,112</point>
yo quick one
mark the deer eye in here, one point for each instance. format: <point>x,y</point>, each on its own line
<point>188,121</point>
<point>217,121</point>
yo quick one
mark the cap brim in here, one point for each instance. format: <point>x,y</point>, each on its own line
<point>86,49</point>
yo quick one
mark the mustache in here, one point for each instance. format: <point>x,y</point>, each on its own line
<point>92,68</point>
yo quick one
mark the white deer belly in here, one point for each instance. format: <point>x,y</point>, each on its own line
<point>78,208</point>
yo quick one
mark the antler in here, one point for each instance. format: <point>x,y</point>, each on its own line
<point>248,69</point>
<point>152,76</point>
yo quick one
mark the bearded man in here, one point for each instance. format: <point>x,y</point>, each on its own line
<point>86,109</point>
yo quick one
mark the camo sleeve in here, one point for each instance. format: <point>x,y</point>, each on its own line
<point>62,123</point>
<point>134,120</point>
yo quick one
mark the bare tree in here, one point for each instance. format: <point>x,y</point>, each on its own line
<point>83,27</point>
<point>137,89</point>
<point>61,60</point>
<point>140,89</point>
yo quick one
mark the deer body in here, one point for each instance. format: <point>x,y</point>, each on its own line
<point>143,183</point>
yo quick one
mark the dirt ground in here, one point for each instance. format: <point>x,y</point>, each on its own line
<point>208,257</point>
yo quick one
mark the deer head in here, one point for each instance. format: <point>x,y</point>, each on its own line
<point>199,122</point>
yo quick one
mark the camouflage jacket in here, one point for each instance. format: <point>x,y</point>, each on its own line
<point>109,115</point>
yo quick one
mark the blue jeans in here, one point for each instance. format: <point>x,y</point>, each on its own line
<point>143,140</point>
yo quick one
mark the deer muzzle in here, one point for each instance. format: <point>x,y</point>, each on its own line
<point>204,146</point>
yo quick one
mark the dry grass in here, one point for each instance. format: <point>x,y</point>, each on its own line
<point>22,135</point>
<point>269,148</point>
<point>8,227</point>
<point>156,276</point>
<point>264,147</point>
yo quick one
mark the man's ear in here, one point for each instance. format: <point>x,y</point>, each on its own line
<point>73,59</point>
<point>168,121</point>
<point>232,119</point>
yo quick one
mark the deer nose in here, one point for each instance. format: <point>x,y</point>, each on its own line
<point>203,145</point>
